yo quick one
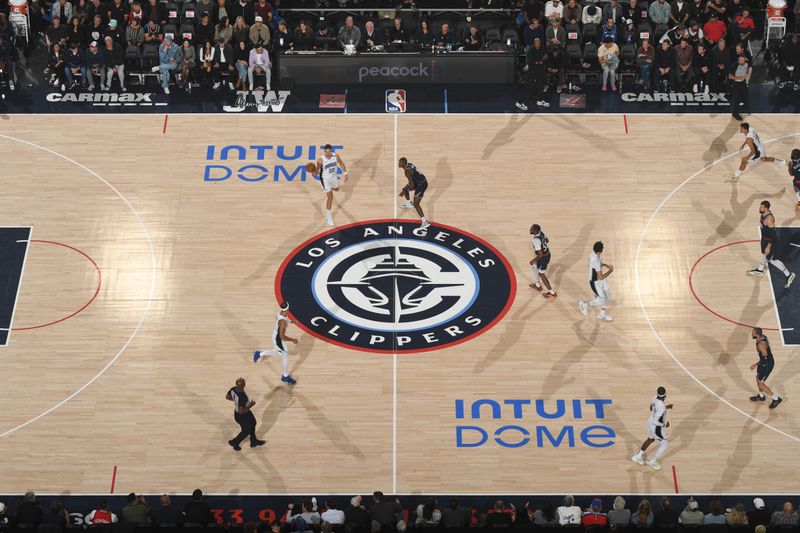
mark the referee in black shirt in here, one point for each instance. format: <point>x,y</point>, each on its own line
<point>243,416</point>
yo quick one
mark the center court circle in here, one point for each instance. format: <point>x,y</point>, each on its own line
<point>388,286</point>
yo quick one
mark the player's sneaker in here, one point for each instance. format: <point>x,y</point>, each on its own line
<point>757,398</point>
<point>733,177</point>
<point>550,296</point>
<point>329,220</point>
<point>289,379</point>
<point>789,280</point>
<point>774,403</point>
<point>584,307</point>
<point>256,356</point>
<point>543,103</point>
<point>425,223</point>
<point>755,272</point>
<point>521,106</point>
<point>653,464</point>
<point>536,286</point>
<point>406,205</point>
<point>637,459</point>
<point>603,316</point>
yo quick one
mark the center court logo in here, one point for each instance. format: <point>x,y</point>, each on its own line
<point>388,286</point>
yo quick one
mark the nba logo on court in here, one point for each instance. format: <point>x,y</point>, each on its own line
<point>396,101</point>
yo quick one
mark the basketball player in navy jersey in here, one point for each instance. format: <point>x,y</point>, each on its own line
<point>769,245</point>
<point>541,258</point>
<point>418,183</point>
<point>794,172</point>
<point>763,368</point>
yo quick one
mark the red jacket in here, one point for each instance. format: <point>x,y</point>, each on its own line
<point>714,31</point>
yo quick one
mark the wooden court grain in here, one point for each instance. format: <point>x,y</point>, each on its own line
<point>159,411</point>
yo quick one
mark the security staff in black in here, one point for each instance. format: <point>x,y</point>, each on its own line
<point>243,416</point>
<point>763,368</point>
<point>794,172</point>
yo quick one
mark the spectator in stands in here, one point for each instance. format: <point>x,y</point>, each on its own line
<point>221,11</point>
<point>240,31</point>
<point>694,33</point>
<point>743,26</point>
<point>349,33</point>
<point>714,515</point>
<point>613,11</point>
<point>117,11</point>
<point>56,519</point>
<point>691,514</point>
<point>383,513</point>
<point>608,55</point>
<point>224,30</point>
<point>553,9</point>
<point>659,12</point>
<point>187,62</point>
<point>428,514</point>
<point>532,9</point>
<point>673,35</point>
<point>136,511</point>
<point>154,11</point>
<point>619,516</point>
<point>557,68</point>
<point>75,33</point>
<point>572,12</point>
<point>166,515</point>
<point>135,13</point>
<point>115,32</point>
<point>455,515</point>
<point>591,14</point>
<point>697,11</point>
<point>323,38</point>
<point>56,33</point>
<point>664,66</point>
<point>95,62</point>
<point>741,50</point>
<point>309,515</point>
<point>680,12</point>
<point>303,37</point>
<point>204,6</point>
<point>282,39</point>
<point>594,515</point>
<point>703,66</point>
<point>666,518</point>
<point>5,520</point>
<point>545,515</point>
<point>714,29</point>
<point>643,515</point>
<point>259,32</point>
<point>29,512</point>
<point>259,63</point>
<point>398,33</point>
<point>629,33</point>
<point>569,513</point>
<point>101,515</point>
<point>444,37</point>
<point>61,10</point>
<point>332,514</point>
<point>56,62</point>
<point>134,33</point>
<point>114,64</point>
<point>684,60</point>
<point>152,32</point>
<point>499,515</point>
<point>473,41</point>
<point>634,12</point>
<point>355,516</point>
<point>79,10</point>
<point>716,7</point>
<point>556,36</point>
<point>424,35</point>
<point>263,9</point>
<point>721,56</point>
<point>733,8</point>
<point>244,9</point>
<point>223,66</point>
<point>759,515</point>
<point>241,57</point>
<point>533,31</point>
<point>168,60</point>
<point>197,510</point>
<point>74,65</point>
<point>535,76</point>
<point>371,36</point>
<point>736,516</point>
<point>785,518</point>
<point>609,31</point>
<point>204,31</point>
<point>645,58</point>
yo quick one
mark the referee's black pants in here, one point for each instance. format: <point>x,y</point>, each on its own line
<point>246,421</point>
<point>738,96</point>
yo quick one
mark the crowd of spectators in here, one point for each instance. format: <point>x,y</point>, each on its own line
<point>387,515</point>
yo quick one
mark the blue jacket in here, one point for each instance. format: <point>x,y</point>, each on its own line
<point>173,52</point>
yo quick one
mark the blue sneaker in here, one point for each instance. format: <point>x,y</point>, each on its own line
<point>256,356</point>
<point>289,379</point>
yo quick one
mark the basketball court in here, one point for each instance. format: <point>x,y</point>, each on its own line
<point>149,277</point>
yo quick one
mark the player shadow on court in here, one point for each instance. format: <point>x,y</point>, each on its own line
<point>365,166</point>
<point>572,254</point>
<point>722,358</point>
<point>694,419</point>
<point>213,418</point>
<point>557,377</point>
<point>514,325</point>
<point>729,223</point>
<point>719,144</point>
<point>444,179</point>
<point>587,132</point>
<point>739,458</point>
<point>506,134</point>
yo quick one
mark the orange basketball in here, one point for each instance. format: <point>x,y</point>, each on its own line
<point>311,167</point>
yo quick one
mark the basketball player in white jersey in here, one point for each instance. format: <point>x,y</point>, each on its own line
<point>756,150</point>
<point>598,274</point>
<point>541,258</point>
<point>327,166</point>
<point>279,340</point>
<point>655,431</point>
<point>769,246</point>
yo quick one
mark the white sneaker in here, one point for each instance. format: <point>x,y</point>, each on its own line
<point>521,106</point>
<point>706,89</point>
<point>124,89</point>
<point>216,85</point>
<point>329,220</point>
<point>755,272</point>
<point>166,90</point>
<point>603,316</point>
<point>90,88</point>
<point>653,464</point>
<point>694,88</point>
<point>230,86</point>
<point>63,87</point>
<point>584,307</point>
<point>406,205</point>
<point>789,281</point>
<point>542,103</point>
<point>637,459</point>
<point>425,223</point>
<point>103,88</point>
<point>251,87</point>
<point>155,69</point>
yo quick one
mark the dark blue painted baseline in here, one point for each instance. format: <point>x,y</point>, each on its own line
<point>13,249</point>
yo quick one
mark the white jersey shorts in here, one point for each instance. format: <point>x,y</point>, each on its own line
<point>656,432</point>
<point>329,183</point>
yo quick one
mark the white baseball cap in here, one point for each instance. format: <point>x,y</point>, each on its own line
<point>259,19</point>
<point>759,503</point>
